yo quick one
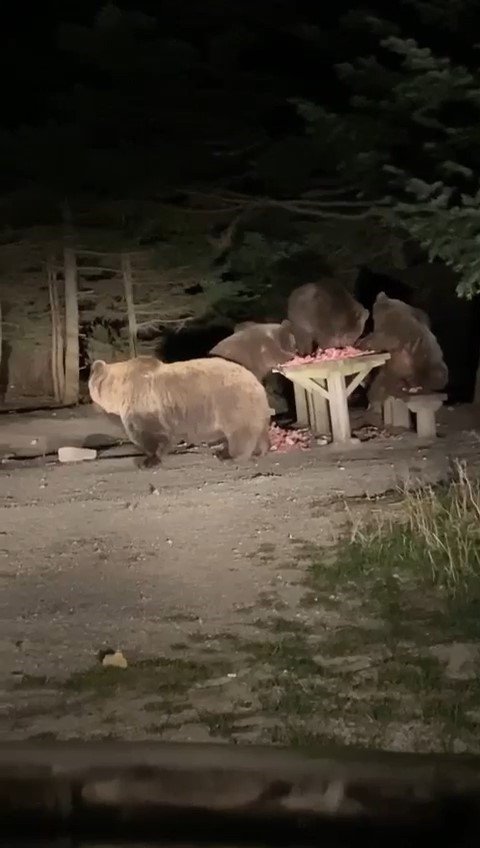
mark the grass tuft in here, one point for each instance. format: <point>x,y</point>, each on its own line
<point>435,536</point>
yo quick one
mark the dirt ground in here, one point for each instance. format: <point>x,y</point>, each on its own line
<point>209,578</point>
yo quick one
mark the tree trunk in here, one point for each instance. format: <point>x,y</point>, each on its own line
<point>128,289</point>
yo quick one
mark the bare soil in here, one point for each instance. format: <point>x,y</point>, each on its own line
<point>208,577</point>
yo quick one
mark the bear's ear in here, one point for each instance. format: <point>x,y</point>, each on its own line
<point>97,367</point>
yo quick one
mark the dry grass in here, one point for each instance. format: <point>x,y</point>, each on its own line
<point>435,533</point>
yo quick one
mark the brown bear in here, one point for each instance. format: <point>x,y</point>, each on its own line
<point>258,347</point>
<point>416,357</point>
<point>325,314</point>
<point>202,400</point>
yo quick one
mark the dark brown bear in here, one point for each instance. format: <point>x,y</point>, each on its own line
<point>416,357</point>
<point>202,400</point>
<point>258,347</point>
<point>324,315</point>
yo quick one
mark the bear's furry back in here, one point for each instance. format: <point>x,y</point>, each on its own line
<point>328,311</point>
<point>258,347</point>
<point>403,329</point>
<point>195,398</point>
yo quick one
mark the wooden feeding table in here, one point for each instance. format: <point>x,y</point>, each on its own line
<point>322,392</point>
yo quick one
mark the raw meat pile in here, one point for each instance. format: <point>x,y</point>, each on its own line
<point>283,441</point>
<point>326,355</point>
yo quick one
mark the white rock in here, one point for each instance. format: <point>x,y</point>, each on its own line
<point>68,454</point>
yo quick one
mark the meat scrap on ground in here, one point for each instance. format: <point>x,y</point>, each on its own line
<point>282,441</point>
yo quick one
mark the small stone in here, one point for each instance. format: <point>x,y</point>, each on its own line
<point>70,454</point>
<point>115,660</point>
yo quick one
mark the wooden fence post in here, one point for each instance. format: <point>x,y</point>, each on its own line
<point>72,345</point>
<point>128,290</point>
<point>72,348</point>
<point>58,340</point>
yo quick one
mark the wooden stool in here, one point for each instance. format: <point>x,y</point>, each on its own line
<point>425,407</point>
<point>396,412</point>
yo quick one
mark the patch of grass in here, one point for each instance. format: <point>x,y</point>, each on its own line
<point>284,625</point>
<point>417,674</point>
<point>179,617</point>
<point>289,654</point>
<point>157,729</point>
<point>31,681</point>
<point>349,640</point>
<point>43,736</point>
<point>418,568</point>
<point>436,539</point>
<point>460,618</point>
<point>165,706</point>
<point>307,550</point>
<point>220,724</point>
<point>266,548</point>
<point>265,553</point>
<point>268,600</point>
<point>152,675</point>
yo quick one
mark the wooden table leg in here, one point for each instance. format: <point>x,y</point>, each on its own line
<point>318,414</point>
<point>301,405</point>
<point>339,414</point>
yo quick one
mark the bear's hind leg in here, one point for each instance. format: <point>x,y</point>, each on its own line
<point>242,443</point>
<point>147,433</point>
<point>263,442</point>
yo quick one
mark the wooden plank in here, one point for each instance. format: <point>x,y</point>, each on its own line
<point>319,413</point>
<point>360,377</point>
<point>58,341</point>
<point>128,289</point>
<point>350,365</point>
<point>72,341</point>
<point>317,388</point>
<point>301,405</point>
<point>339,413</point>
<point>395,413</point>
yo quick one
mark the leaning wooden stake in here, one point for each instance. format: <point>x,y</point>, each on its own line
<point>72,347</point>
<point>58,340</point>
<point>72,352</point>
<point>128,289</point>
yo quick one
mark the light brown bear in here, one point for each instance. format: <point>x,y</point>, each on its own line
<point>416,357</point>
<point>201,400</point>
<point>258,347</point>
<point>325,314</point>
